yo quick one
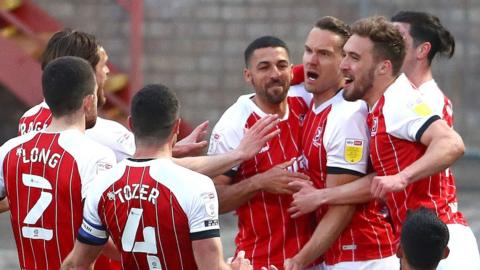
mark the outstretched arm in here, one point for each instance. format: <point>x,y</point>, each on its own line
<point>253,140</point>
<point>81,257</point>
<point>193,144</point>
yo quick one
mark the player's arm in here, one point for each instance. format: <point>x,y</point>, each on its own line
<point>328,229</point>
<point>4,206</point>
<point>81,257</point>
<point>193,144</point>
<point>308,199</point>
<point>444,147</point>
<point>252,141</point>
<point>275,180</point>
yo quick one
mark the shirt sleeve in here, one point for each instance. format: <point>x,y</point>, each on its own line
<point>346,140</point>
<point>92,231</point>
<point>224,139</point>
<point>408,115</point>
<point>100,163</point>
<point>203,212</point>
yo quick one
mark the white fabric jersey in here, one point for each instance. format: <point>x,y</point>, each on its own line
<point>90,156</point>
<point>179,180</point>
<point>114,136</point>
<point>405,110</point>
<point>434,97</point>
<point>346,130</point>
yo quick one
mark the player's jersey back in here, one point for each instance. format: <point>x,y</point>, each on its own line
<point>152,209</point>
<point>106,132</point>
<point>266,232</point>
<point>35,119</point>
<point>335,141</point>
<point>397,123</point>
<point>46,176</point>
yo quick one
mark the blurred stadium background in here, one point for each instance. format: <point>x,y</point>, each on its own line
<point>196,48</point>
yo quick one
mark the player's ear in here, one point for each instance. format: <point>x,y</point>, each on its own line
<point>423,50</point>
<point>247,75</point>
<point>399,252</point>
<point>446,252</point>
<point>129,122</point>
<point>89,101</point>
<point>384,67</point>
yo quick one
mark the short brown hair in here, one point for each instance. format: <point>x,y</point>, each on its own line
<point>387,41</point>
<point>71,42</point>
<point>336,26</point>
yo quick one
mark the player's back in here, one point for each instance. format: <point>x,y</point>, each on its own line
<point>35,119</point>
<point>45,176</point>
<point>153,209</point>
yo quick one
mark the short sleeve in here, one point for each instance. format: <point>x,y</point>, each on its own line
<point>100,163</point>
<point>346,139</point>
<point>92,231</point>
<point>203,212</point>
<point>407,115</point>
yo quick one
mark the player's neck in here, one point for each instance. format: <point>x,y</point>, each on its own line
<point>380,85</point>
<point>320,97</point>
<point>67,122</point>
<point>280,109</point>
<point>146,150</point>
<point>421,74</point>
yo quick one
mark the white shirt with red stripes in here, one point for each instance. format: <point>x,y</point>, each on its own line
<point>153,210</point>
<point>397,122</point>
<point>45,177</point>
<point>106,132</point>
<point>335,141</point>
<point>266,232</point>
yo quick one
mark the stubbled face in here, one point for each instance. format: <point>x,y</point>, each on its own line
<point>101,74</point>
<point>358,67</point>
<point>321,61</point>
<point>270,73</point>
<point>410,50</point>
<point>91,109</point>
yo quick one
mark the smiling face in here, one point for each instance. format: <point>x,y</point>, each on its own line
<point>321,60</point>
<point>358,67</point>
<point>269,71</point>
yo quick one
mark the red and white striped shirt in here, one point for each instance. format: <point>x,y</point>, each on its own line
<point>397,122</point>
<point>106,132</point>
<point>46,176</point>
<point>335,141</point>
<point>153,210</point>
<point>266,232</point>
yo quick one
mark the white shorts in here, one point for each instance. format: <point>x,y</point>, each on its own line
<point>388,263</point>
<point>463,249</point>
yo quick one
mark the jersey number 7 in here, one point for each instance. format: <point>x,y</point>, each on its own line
<point>37,210</point>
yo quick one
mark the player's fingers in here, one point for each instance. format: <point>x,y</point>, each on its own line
<point>272,267</point>
<point>271,124</point>
<point>373,186</point>
<point>201,128</point>
<point>262,123</point>
<point>286,163</point>
<point>298,184</point>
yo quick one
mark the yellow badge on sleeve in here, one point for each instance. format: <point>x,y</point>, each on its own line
<point>422,109</point>
<point>353,150</point>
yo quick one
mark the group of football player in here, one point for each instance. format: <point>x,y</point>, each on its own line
<point>341,162</point>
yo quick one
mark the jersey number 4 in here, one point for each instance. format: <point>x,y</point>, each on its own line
<point>148,246</point>
<point>37,210</point>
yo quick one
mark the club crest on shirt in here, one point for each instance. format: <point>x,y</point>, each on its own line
<point>353,150</point>
<point>373,131</point>
<point>317,136</point>
<point>209,202</point>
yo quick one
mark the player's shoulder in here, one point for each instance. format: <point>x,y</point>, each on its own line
<point>106,125</point>
<point>401,90</point>
<point>14,142</point>
<point>35,109</point>
<point>175,176</point>
<point>299,91</point>
<point>343,110</point>
<point>237,114</point>
<point>78,144</point>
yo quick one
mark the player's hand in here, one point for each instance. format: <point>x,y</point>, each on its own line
<point>240,262</point>
<point>304,200</point>
<point>292,264</point>
<point>381,185</point>
<point>257,136</point>
<point>276,180</point>
<point>193,144</point>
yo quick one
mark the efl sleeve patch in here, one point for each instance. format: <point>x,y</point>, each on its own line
<point>422,109</point>
<point>353,150</point>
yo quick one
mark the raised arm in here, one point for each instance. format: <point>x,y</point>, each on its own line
<point>253,140</point>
